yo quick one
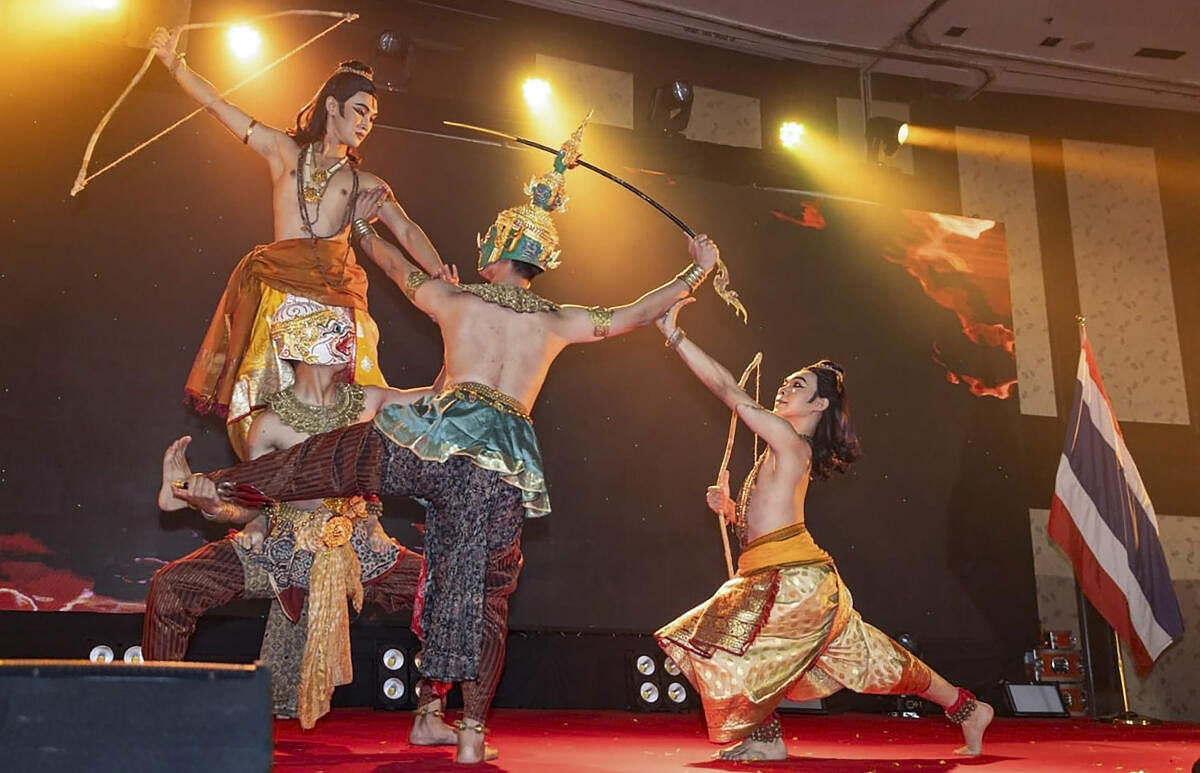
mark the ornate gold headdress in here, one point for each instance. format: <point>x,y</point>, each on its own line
<point>526,232</point>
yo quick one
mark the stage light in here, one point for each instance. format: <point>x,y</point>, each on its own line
<point>671,108</point>
<point>101,653</point>
<point>537,93</point>
<point>395,676</point>
<point>648,692</point>
<point>884,137</point>
<point>133,654</point>
<point>677,693</point>
<point>670,667</point>
<point>390,43</point>
<point>791,134</point>
<point>244,41</point>
<point>393,659</point>
<point>645,665</point>
<point>394,689</point>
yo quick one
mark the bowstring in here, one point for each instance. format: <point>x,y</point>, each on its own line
<point>83,178</point>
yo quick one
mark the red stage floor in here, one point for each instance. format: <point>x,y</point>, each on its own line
<point>616,742</point>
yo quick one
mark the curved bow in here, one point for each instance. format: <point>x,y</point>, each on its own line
<point>755,366</point>
<point>720,278</point>
<point>83,178</point>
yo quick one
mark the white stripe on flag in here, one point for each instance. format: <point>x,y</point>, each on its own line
<point>1106,423</point>
<point>1112,556</point>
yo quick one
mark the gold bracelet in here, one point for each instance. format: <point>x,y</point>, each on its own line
<point>693,276</point>
<point>362,228</point>
<point>174,66</point>
<point>249,131</point>
<point>675,338</point>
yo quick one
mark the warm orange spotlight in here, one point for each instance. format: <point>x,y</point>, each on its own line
<point>902,133</point>
<point>244,41</point>
<point>537,93</point>
<point>791,134</point>
<point>104,5</point>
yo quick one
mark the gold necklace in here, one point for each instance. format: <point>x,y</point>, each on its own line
<point>513,297</point>
<point>314,419</point>
<point>316,179</point>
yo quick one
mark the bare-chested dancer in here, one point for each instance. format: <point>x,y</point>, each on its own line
<point>315,177</point>
<point>785,625</point>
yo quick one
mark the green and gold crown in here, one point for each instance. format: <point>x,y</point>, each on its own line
<point>526,232</point>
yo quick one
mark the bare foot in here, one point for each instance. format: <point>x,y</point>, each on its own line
<point>429,729</point>
<point>175,470</point>
<point>472,750</point>
<point>973,729</point>
<point>750,750</point>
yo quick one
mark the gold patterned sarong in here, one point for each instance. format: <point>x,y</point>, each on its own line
<point>236,367</point>
<point>802,641</point>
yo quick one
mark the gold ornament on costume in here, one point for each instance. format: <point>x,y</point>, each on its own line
<point>336,531</point>
<point>526,232</point>
<point>316,179</point>
<point>314,419</point>
<point>513,297</point>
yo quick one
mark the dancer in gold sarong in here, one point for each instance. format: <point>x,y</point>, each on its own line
<point>785,625</point>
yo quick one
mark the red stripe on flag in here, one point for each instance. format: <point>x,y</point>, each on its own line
<point>1096,584</point>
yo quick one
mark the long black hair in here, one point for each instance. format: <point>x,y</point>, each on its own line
<point>310,121</point>
<point>834,441</point>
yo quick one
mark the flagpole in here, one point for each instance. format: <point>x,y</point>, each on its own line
<point>1125,716</point>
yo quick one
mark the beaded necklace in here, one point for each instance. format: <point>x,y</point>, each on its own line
<point>311,182</point>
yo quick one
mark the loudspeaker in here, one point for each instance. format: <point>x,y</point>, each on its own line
<point>72,715</point>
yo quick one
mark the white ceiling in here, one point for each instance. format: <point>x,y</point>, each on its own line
<point>1000,50</point>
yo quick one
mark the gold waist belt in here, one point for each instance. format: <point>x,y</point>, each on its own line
<point>493,397</point>
<point>787,546</point>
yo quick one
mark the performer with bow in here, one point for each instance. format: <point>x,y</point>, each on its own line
<point>470,451</point>
<point>316,179</point>
<point>785,626</point>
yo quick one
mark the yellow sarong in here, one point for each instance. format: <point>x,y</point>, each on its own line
<point>236,367</point>
<point>790,631</point>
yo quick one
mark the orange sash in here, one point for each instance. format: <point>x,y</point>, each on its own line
<point>789,546</point>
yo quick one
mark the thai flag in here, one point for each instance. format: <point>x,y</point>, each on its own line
<point>1102,517</point>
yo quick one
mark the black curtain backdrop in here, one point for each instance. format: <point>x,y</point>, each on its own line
<point>106,298</point>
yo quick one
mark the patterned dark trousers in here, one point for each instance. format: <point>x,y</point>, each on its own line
<point>186,588</point>
<point>472,540</point>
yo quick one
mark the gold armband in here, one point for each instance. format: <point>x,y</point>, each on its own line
<point>413,281</point>
<point>249,131</point>
<point>601,320</point>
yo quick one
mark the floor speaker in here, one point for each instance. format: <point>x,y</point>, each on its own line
<point>69,715</point>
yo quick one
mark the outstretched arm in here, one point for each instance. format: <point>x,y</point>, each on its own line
<point>265,140</point>
<point>578,324</point>
<point>775,431</point>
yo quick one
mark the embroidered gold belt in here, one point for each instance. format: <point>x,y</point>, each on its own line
<point>491,396</point>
